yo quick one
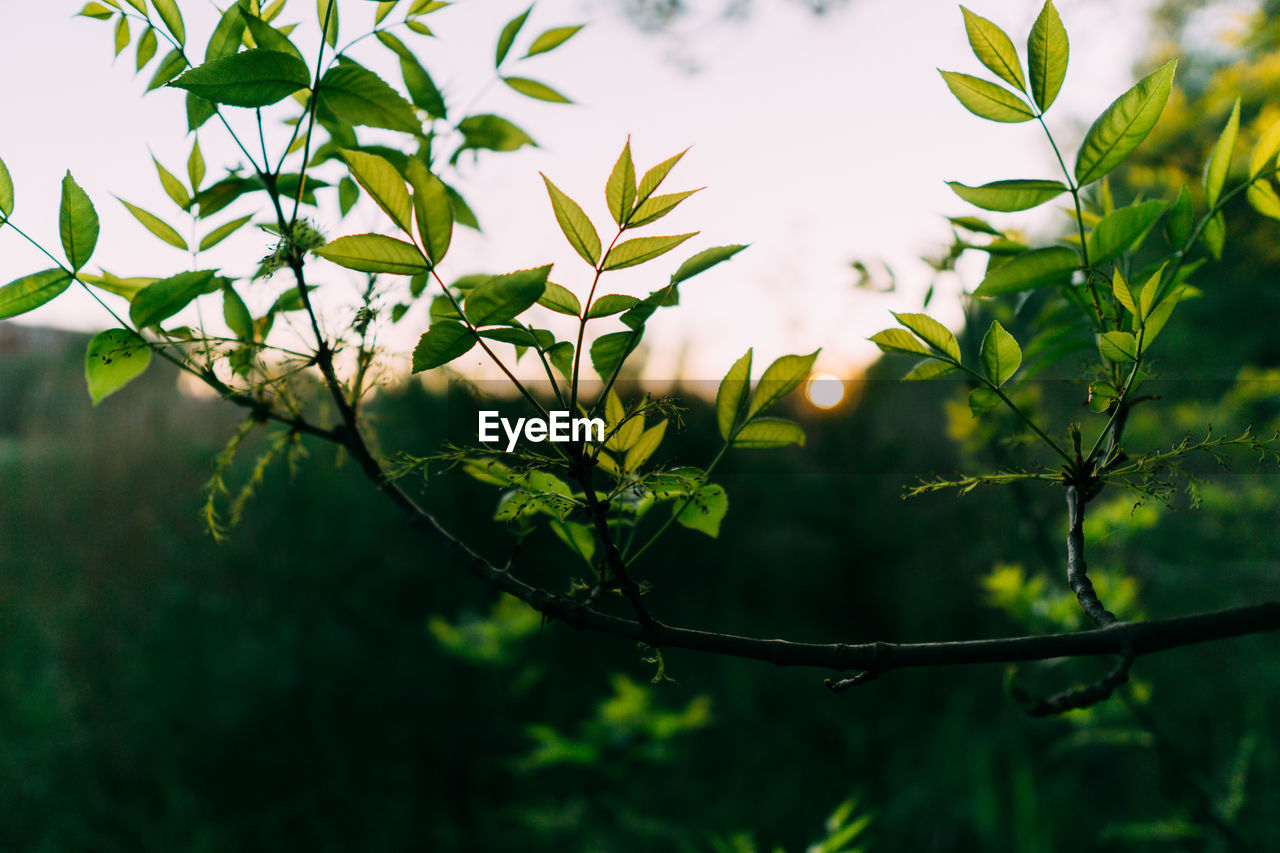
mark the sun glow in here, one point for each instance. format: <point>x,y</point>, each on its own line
<point>824,390</point>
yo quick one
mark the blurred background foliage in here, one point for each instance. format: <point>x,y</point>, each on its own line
<point>325,681</point>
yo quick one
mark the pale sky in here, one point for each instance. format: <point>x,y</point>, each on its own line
<point>819,139</point>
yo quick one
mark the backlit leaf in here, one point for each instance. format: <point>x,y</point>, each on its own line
<point>1122,230</point>
<point>252,78</point>
<point>1118,346</point>
<point>172,18</point>
<point>732,394</point>
<point>114,357</point>
<point>986,99</point>
<point>657,206</point>
<point>383,183</point>
<point>433,209</point>
<point>1216,170</point>
<point>156,226</point>
<point>162,299</point>
<point>551,39</point>
<point>642,249</point>
<point>222,232</point>
<point>236,314</point>
<point>1037,268</point>
<point>1177,228</point>
<point>77,223</point>
<point>766,433</point>
<point>705,510</point>
<point>534,89</point>
<point>779,379</point>
<point>374,253</point>
<point>561,300</point>
<point>609,351</point>
<point>705,260</point>
<point>993,48</point>
<point>1000,354</point>
<point>1123,125</point>
<point>900,340</point>
<point>620,189</point>
<point>613,303</point>
<point>172,186</point>
<point>6,191</point>
<point>32,291</point>
<point>502,297</point>
<point>443,342</point>
<point>359,96</point>
<point>656,176</point>
<point>508,36</point>
<point>1008,196</point>
<point>1047,53</point>
<point>574,223</point>
<point>931,332</point>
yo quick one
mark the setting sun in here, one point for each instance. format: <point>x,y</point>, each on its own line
<point>824,390</point>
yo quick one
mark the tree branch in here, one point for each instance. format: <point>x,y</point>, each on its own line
<point>1077,574</point>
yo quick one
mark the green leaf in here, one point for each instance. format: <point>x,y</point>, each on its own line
<point>972,223</point>
<point>985,99</point>
<point>114,357</point>
<point>172,186</point>
<point>551,39</point>
<point>561,358</point>
<point>1000,354</point>
<point>765,433</point>
<point>156,225</point>
<point>574,223</point>
<point>1158,317</point>
<point>32,291</point>
<point>642,249</point>
<point>422,89</point>
<point>930,368</point>
<point>705,510</point>
<point>146,48</point>
<point>1181,221</point>
<point>1118,346</point>
<point>253,78</point>
<point>327,11</point>
<point>1009,196</point>
<point>1123,125</point>
<point>195,166</point>
<point>577,536</point>
<point>77,223</point>
<point>732,394</point>
<point>222,232</point>
<point>1047,52</point>
<point>900,340</point>
<point>983,400</point>
<point>236,314</point>
<point>645,446</point>
<point>655,176</point>
<point>492,133</point>
<point>931,332</point>
<point>357,95</point>
<point>503,297</point>
<point>443,342</point>
<point>620,189</point>
<point>384,9</point>
<point>613,303</point>
<point>433,208</point>
<point>534,89</point>
<point>266,36</point>
<point>538,338</point>
<point>508,36</point>
<point>561,300</point>
<point>123,36</point>
<point>1037,268</point>
<point>657,206</point>
<point>1214,235</point>
<point>779,379</point>
<point>383,183</point>
<point>609,351</point>
<point>1126,228</point>
<point>96,11</point>
<point>6,191</point>
<point>199,111</point>
<point>705,260</point>
<point>162,299</point>
<point>124,287</point>
<point>374,253</point>
<point>172,18</point>
<point>1264,150</point>
<point>993,49</point>
<point>169,67</point>
<point>1216,170</point>
<point>227,35</point>
<point>1124,293</point>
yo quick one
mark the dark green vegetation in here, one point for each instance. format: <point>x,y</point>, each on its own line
<point>331,678</point>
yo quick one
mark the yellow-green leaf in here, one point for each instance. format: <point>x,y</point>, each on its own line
<point>77,223</point>
<point>642,249</point>
<point>1215,171</point>
<point>156,225</point>
<point>113,359</point>
<point>1009,196</point>
<point>222,232</point>
<point>1047,54</point>
<point>32,291</point>
<point>645,446</point>
<point>172,18</point>
<point>779,379</point>
<point>374,253</point>
<point>986,99</point>
<point>731,395</point>
<point>433,208</point>
<point>383,183</point>
<point>551,39</point>
<point>1123,125</point>
<point>534,89</point>
<point>574,223</point>
<point>172,186</point>
<point>620,189</point>
<point>765,433</point>
<point>993,48</point>
<point>1000,354</point>
<point>931,332</point>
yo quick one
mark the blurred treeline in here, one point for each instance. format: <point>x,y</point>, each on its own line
<point>327,680</point>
